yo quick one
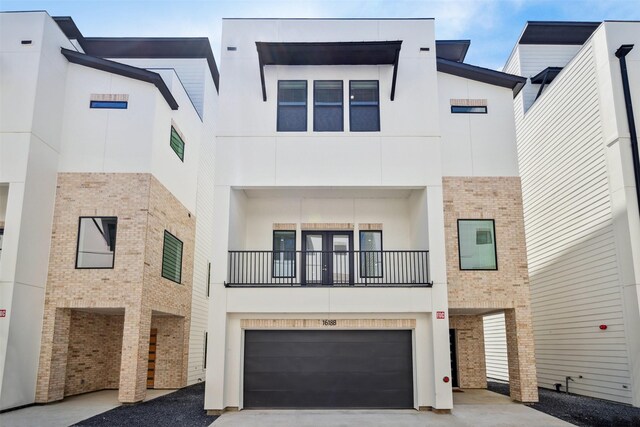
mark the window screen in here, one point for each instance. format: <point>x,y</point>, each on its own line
<point>371,254</point>
<point>327,106</point>
<point>364,106</point>
<point>477,244</point>
<point>96,242</point>
<point>284,254</point>
<point>292,106</point>
<point>172,258</point>
<point>177,144</point>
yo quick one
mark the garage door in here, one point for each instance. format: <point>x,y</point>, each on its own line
<point>328,369</point>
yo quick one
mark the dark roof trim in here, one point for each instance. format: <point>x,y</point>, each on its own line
<point>453,50</point>
<point>68,27</point>
<point>547,74</point>
<point>122,70</point>
<point>329,53</point>
<point>153,47</point>
<point>557,32</point>
<point>483,75</point>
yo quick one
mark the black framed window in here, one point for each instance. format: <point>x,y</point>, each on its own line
<point>208,278</point>
<point>204,358</point>
<point>328,111</point>
<point>292,106</point>
<point>177,143</point>
<point>364,106</point>
<point>371,254</point>
<point>477,244</point>
<point>96,246</point>
<point>284,254</point>
<point>172,258</point>
<point>465,109</point>
<point>113,105</point>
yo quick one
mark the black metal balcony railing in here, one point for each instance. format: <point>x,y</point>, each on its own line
<point>328,268</point>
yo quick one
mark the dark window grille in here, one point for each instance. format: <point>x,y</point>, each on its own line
<point>328,111</point>
<point>292,106</point>
<point>364,106</point>
<point>177,144</point>
<point>172,258</point>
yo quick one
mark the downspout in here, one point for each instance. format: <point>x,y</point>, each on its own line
<point>621,53</point>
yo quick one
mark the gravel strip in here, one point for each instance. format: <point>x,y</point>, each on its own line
<point>580,410</point>
<point>181,408</point>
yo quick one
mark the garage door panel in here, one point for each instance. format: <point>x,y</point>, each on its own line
<point>324,369</point>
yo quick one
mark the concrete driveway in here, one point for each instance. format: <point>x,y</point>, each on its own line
<point>472,408</point>
<point>69,410</point>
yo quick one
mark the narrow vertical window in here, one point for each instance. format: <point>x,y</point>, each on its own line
<point>477,244</point>
<point>364,106</point>
<point>292,106</point>
<point>177,143</point>
<point>370,254</point>
<point>96,242</point>
<point>172,258</point>
<point>204,362</point>
<point>208,278</point>
<point>284,254</point>
<point>328,109</point>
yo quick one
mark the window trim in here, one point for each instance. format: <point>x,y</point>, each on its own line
<point>495,244</point>
<point>273,251</point>
<point>113,262</point>
<point>174,129</point>
<point>108,105</point>
<point>181,257</point>
<point>453,107</point>
<point>306,106</point>
<point>381,252</point>
<point>350,106</point>
<point>315,90</point>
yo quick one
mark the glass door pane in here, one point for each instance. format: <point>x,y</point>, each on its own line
<point>340,262</point>
<point>314,266</point>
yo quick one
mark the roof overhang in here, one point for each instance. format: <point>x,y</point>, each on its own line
<point>122,70</point>
<point>557,32</point>
<point>453,50</point>
<point>546,76</point>
<point>329,53</point>
<point>484,75</point>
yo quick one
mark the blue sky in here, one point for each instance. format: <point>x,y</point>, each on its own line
<point>493,26</point>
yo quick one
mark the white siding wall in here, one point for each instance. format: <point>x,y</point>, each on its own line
<point>570,238</point>
<point>495,347</point>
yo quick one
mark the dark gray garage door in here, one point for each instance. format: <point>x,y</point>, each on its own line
<point>328,369</point>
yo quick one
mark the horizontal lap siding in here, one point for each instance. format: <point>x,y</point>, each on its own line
<point>570,241</point>
<point>495,347</point>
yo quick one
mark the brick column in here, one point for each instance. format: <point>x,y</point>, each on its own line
<point>472,369</point>
<point>135,355</point>
<point>53,355</point>
<point>523,383</point>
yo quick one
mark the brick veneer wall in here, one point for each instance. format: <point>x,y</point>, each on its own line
<point>470,351</point>
<point>145,208</point>
<point>169,351</point>
<point>500,199</point>
<point>93,357</point>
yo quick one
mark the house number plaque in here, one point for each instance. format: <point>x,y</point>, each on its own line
<point>329,322</point>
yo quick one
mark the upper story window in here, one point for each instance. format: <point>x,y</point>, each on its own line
<point>284,254</point>
<point>292,106</point>
<point>364,106</point>
<point>466,109</point>
<point>116,105</point>
<point>371,254</point>
<point>328,109</point>
<point>177,143</point>
<point>96,242</point>
<point>477,244</point>
<point>172,258</point>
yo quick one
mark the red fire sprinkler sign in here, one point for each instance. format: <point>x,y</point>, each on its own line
<point>3,313</point>
<point>439,314</point>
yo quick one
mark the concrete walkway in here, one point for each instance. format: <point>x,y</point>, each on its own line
<point>69,410</point>
<point>472,408</point>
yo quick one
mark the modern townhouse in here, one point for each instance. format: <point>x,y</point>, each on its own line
<point>106,179</point>
<point>367,214</point>
<point>576,122</point>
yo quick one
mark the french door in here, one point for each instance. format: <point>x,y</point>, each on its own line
<point>327,257</point>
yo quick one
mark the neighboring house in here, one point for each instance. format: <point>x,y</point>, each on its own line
<point>578,155</point>
<point>106,179</point>
<point>367,199</point>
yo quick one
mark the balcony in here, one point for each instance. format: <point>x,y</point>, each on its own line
<point>387,268</point>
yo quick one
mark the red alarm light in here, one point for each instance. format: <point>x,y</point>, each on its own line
<point>603,327</point>
<point>445,379</point>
